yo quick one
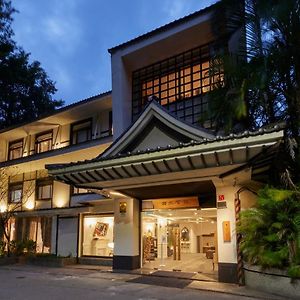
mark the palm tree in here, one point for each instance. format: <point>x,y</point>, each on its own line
<point>262,79</point>
<point>271,231</point>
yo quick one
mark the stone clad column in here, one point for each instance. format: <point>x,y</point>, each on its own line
<point>126,234</point>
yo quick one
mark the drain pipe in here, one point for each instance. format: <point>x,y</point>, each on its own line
<point>237,205</point>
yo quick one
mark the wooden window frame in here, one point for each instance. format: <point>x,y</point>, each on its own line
<point>37,143</point>
<point>11,188</point>
<point>10,150</point>
<point>89,128</point>
<point>42,183</point>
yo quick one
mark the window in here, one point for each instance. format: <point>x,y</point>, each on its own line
<point>15,149</point>
<point>81,131</point>
<point>15,191</point>
<point>44,189</point>
<point>38,229</point>
<point>98,235</point>
<point>43,142</point>
<point>179,83</point>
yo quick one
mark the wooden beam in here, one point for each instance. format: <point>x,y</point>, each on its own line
<point>231,156</point>
<point>117,172</point>
<point>203,160</point>
<point>166,165</point>
<point>156,168</point>
<point>136,170</point>
<point>217,158</point>
<point>125,171</point>
<point>79,180</point>
<point>99,174</point>
<point>145,168</point>
<point>91,175</point>
<point>107,174</point>
<point>178,164</point>
<point>191,162</point>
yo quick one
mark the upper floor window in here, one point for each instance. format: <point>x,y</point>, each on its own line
<point>43,142</point>
<point>15,149</point>
<point>44,189</point>
<point>179,83</point>
<point>15,192</point>
<point>81,131</point>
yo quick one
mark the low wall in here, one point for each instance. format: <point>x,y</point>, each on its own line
<point>272,281</point>
<point>8,261</point>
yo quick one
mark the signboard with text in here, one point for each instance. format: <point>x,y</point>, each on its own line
<point>173,203</point>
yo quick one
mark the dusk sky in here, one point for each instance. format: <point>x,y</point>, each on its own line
<point>71,37</point>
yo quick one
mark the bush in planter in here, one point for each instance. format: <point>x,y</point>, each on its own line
<point>2,248</point>
<point>17,247</point>
<point>30,246</point>
<point>271,231</point>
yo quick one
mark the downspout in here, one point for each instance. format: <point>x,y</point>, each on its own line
<point>237,205</point>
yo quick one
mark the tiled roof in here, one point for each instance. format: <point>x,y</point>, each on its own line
<point>62,109</point>
<point>165,27</point>
<point>245,134</point>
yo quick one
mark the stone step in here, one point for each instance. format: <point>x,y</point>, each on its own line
<point>95,261</point>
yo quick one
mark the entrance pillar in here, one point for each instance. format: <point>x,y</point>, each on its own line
<point>126,234</point>
<point>226,232</point>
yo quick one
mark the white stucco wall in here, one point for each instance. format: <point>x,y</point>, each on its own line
<point>227,250</point>
<point>126,228</point>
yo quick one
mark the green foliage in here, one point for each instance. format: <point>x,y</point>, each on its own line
<point>16,247</point>
<point>271,231</point>
<point>30,246</point>
<point>263,78</point>
<point>25,89</point>
<point>2,248</point>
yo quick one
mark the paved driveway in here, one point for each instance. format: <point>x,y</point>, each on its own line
<point>23,282</point>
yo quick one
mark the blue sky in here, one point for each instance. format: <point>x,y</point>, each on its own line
<point>71,37</point>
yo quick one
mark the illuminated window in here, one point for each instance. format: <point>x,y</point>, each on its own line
<point>38,229</point>
<point>15,149</point>
<point>43,142</point>
<point>98,239</point>
<point>44,189</point>
<point>81,131</point>
<point>15,191</point>
<point>179,83</point>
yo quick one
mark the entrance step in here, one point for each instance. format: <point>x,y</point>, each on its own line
<point>95,261</point>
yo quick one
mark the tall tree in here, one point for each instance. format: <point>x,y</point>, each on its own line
<point>262,79</point>
<point>26,92</point>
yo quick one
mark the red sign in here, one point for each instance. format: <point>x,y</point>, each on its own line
<point>221,197</point>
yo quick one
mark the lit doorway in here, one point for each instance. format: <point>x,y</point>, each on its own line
<point>180,240</point>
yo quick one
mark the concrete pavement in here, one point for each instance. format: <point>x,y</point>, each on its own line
<point>30,282</point>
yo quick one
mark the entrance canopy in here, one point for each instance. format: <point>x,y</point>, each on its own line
<point>160,149</point>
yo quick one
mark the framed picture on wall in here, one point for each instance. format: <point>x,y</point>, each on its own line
<point>100,229</point>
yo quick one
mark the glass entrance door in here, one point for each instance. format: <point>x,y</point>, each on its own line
<point>180,240</point>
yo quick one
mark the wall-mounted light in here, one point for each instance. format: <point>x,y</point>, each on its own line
<point>60,203</point>
<point>3,208</point>
<point>29,205</point>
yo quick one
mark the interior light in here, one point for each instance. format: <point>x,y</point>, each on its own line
<point>90,221</point>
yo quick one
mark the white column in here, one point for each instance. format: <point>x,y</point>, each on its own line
<point>126,234</point>
<point>227,250</point>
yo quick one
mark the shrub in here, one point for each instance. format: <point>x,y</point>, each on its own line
<point>30,246</point>
<point>2,248</point>
<point>271,231</point>
<point>17,247</point>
